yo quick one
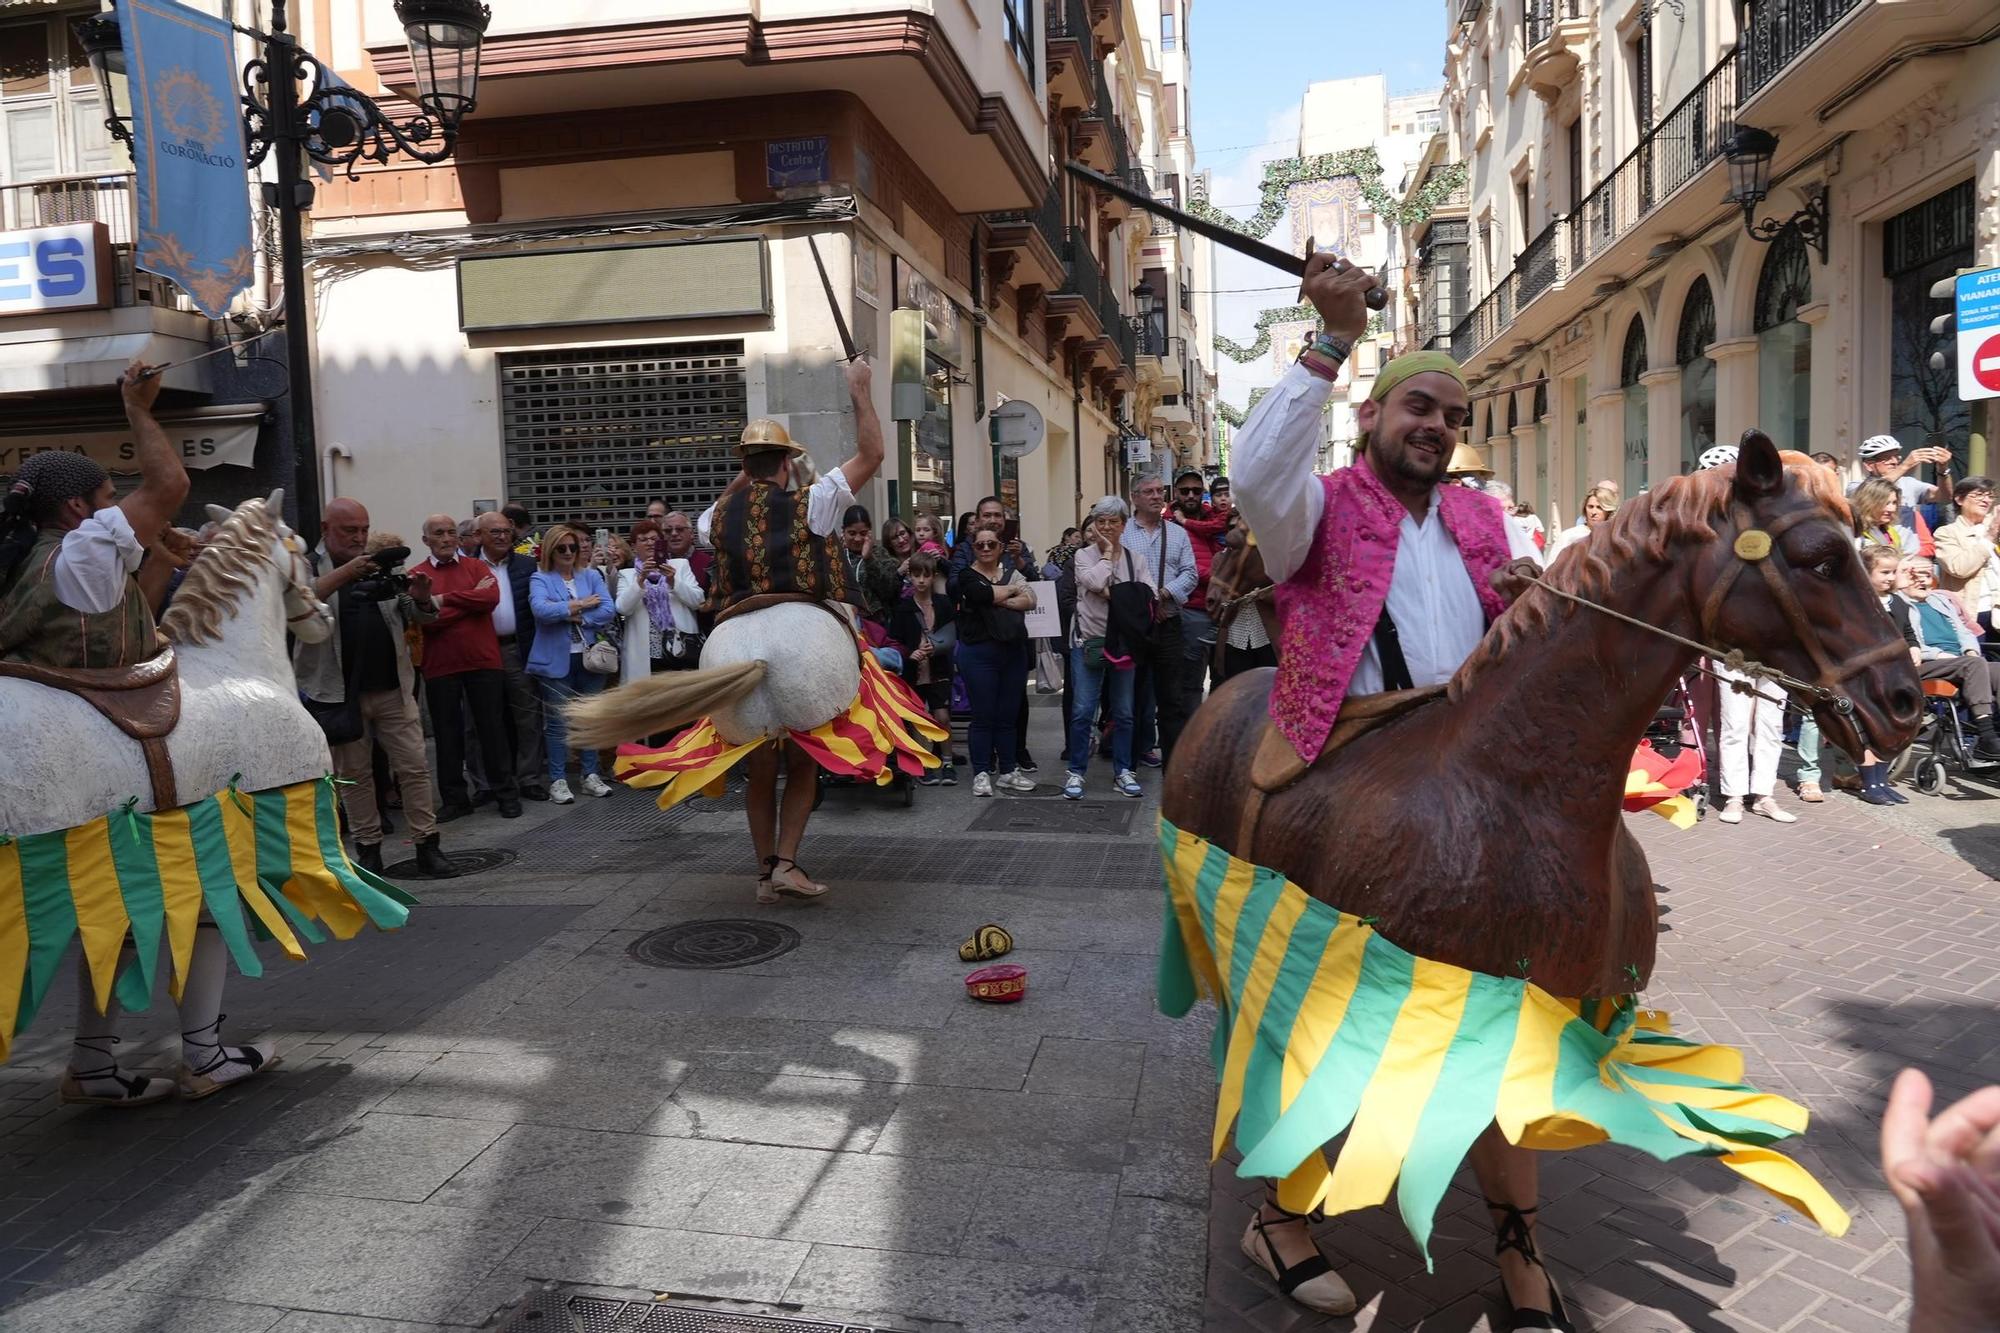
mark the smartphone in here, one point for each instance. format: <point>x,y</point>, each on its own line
<point>1011,532</point>
<point>600,544</point>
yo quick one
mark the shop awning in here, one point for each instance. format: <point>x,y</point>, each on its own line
<point>208,437</point>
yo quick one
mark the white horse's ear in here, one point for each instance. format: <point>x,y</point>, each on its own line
<point>276,502</point>
<point>219,514</point>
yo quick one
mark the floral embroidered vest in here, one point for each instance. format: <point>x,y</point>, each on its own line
<point>763,544</point>
<point>1330,605</point>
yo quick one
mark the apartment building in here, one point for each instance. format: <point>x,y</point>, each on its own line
<point>66,201</point>
<point>1175,406</point>
<point>1611,307</point>
<point>617,269</point>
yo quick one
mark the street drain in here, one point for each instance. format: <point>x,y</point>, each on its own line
<point>714,945</point>
<point>465,860</point>
<point>555,1311</point>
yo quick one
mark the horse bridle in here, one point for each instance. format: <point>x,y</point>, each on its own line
<point>299,562</point>
<point>1759,547</point>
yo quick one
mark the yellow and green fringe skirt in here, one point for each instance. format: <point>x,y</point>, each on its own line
<point>1326,1027</point>
<point>883,731</point>
<point>155,876</point>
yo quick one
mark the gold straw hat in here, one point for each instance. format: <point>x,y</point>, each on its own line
<point>1465,461</point>
<point>764,434</point>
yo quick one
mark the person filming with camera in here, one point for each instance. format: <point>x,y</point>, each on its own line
<point>361,687</point>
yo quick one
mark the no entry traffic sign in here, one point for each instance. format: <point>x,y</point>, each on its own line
<point>1986,366</point>
<point>1978,334</point>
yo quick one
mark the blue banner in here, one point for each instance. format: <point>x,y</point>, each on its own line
<point>187,129</point>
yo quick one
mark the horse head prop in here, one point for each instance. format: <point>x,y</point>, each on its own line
<point>252,543</point>
<point>1485,828</point>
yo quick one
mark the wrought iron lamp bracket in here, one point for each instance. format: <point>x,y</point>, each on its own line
<point>1810,222</point>
<point>336,124</point>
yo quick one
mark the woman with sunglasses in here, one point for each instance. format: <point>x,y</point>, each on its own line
<point>993,661</point>
<point>571,604</point>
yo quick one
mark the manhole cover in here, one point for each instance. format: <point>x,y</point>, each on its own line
<point>465,860</point>
<point>556,1311</point>
<point>1052,816</point>
<point>714,945</point>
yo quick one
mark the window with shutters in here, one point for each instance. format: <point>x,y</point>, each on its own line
<point>594,434</point>
<point>51,116</point>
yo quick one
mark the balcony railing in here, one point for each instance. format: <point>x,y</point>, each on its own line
<point>1047,218</point>
<point>106,198</point>
<point>1686,141</point>
<point>1101,105</point>
<point>1068,19</point>
<point>1085,278</point>
<point>1777,32</point>
<point>1539,20</point>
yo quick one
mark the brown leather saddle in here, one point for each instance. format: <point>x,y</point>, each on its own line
<point>1276,764</point>
<point>143,701</point>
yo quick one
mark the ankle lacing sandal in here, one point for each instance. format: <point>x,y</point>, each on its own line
<point>767,893</point>
<point>1311,1282</point>
<point>785,887</point>
<point>1512,1233</point>
<point>132,1090</point>
<point>227,1064</point>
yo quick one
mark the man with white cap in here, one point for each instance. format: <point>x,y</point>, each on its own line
<point>1882,456</point>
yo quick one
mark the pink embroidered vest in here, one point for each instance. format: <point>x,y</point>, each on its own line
<point>1329,606</point>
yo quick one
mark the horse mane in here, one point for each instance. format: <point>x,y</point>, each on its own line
<point>1647,527</point>
<point>225,570</point>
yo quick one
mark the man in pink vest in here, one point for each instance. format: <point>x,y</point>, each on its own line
<point>1386,580</point>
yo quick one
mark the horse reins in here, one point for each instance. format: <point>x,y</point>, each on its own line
<point>1758,546</point>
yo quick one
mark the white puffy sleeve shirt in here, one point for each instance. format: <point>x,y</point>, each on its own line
<point>96,559</point>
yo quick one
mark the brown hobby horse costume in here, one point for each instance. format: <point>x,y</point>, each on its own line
<point>1406,939</point>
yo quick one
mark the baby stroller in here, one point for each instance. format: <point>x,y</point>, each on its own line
<point>1675,728</point>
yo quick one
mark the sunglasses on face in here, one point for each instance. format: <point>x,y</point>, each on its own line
<point>567,548</point>
<point>986,546</point>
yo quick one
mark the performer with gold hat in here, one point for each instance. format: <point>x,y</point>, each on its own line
<point>785,672</point>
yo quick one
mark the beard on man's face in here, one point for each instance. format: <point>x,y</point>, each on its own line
<point>1191,506</point>
<point>1420,455</point>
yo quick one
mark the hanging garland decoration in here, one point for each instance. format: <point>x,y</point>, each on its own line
<point>1365,165</point>
<point>1231,416</point>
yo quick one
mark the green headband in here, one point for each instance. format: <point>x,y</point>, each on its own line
<point>1402,368</point>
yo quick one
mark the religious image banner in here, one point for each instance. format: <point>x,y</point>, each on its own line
<point>187,128</point>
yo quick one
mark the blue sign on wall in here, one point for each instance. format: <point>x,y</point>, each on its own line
<point>789,162</point>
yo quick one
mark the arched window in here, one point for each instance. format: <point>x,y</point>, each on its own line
<point>1784,344</point>
<point>1697,331</point>
<point>1631,365</point>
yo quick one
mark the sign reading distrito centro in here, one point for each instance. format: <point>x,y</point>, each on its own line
<point>1978,326</point>
<point>56,268</point>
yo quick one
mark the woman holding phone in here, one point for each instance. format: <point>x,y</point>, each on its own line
<point>571,605</point>
<point>925,627</point>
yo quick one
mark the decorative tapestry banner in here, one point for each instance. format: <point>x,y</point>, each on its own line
<point>194,197</point>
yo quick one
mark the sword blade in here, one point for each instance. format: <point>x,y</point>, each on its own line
<point>1223,236</point>
<point>832,304</point>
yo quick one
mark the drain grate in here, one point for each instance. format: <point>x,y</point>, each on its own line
<point>1050,816</point>
<point>711,946</point>
<point>555,1311</point>
<point>465,860</point>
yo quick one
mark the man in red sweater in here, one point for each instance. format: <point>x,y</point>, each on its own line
<point>1205,528</point>
<point>462,668</point>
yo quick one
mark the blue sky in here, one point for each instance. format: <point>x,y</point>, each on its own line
<point>1252,62</point>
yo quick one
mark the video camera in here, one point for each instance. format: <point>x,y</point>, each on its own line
<point>389,581</point>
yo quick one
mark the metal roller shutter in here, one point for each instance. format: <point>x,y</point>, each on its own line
<point>593,434</point>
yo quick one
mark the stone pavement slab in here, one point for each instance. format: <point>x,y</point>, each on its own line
<point>501,1096</point>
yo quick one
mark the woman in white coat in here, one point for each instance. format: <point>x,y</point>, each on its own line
<point>658,596</point>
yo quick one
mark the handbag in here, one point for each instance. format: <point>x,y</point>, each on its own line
<point>1129,622</point>
<point>1048,670</point>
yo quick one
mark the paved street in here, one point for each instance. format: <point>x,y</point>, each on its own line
<point>500,1097</point>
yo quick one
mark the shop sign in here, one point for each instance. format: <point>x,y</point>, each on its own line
<point>203,444</point>
<point>794,162</point>
<point>56,268</point>
<point>1138,451</point>
<point>944,334</point>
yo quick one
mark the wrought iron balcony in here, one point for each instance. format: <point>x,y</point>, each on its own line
<point>1046,218</point>
<point>1086,279</point>
<point>1686,141</point>
<point>1538,22</point>
<point>1777,32</point>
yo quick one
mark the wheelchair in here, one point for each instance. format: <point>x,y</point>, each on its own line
<point>1944,738</point>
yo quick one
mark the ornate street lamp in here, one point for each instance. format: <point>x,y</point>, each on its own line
<point>1750,151</point>
<point>292,99</point>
